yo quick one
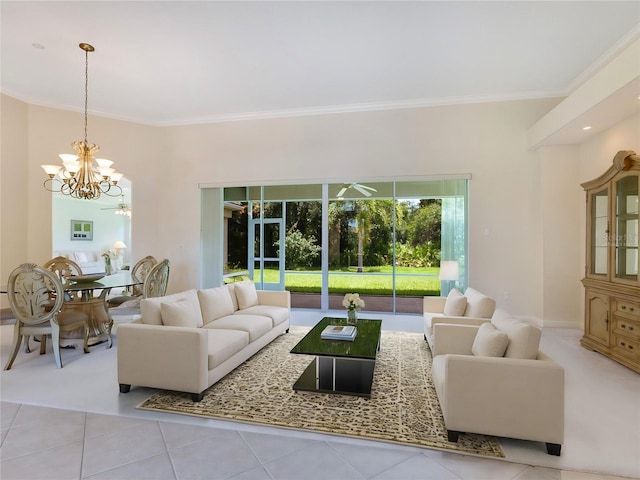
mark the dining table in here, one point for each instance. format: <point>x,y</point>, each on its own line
<point>89,293</point>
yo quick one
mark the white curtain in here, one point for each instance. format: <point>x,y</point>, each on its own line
<point>454,233</point>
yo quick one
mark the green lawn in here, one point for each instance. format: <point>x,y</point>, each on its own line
<point>373,281</point>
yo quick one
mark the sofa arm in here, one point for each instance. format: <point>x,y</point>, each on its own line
<point>500,396</point>
<point>172,358</point>
<point>451,338</point>
<point>433,304</point>
<point>275,298</point>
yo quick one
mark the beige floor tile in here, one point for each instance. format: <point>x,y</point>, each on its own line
<point>157,467</point>
<point>122,447</point>
<point>61,462</point>
<point>222,455</point>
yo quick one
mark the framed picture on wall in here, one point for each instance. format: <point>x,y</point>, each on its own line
<point>81,230</point>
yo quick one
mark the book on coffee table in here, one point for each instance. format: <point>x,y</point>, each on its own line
<point>339,332</point>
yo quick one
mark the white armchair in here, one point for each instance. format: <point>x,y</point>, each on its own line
<point>519,393</point>
<point>472,308</point>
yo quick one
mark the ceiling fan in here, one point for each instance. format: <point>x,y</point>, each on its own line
<point>363,189</point>
<point>121,209</point>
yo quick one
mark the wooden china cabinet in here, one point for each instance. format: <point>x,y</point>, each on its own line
<point>611,282</point>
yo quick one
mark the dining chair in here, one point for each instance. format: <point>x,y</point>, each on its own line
<point>64,268</point>
<point>155,285</point>
<point>139,271</point>
<point>28,292</point>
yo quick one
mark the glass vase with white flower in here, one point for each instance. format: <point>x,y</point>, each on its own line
<point>352,302</point>
<point>108,255</point>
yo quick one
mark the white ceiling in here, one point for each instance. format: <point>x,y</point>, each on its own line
<point>181,62</point>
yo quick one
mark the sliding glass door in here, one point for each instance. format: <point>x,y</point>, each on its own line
<point>383,240</point>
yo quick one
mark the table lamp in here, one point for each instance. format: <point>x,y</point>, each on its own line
<point>449,272</point>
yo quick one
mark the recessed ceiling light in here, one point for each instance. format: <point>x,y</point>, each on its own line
<point>588,127</point>
<point>38,46</point>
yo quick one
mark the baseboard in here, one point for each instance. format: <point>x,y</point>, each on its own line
<point>561,324</point>
<point>550,323</point>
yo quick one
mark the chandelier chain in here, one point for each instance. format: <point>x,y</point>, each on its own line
<point>86,91</point>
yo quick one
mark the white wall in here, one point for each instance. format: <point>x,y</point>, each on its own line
<point>14,187</point>
<point>516,235</point>
<point>107,226</point>
<point>486,140</point>
<point>563,207</point>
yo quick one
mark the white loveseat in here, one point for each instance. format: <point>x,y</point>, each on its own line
<point>472,308</point>
<point>492,379</point>
<point>90,262</point>
<point>189,340</point>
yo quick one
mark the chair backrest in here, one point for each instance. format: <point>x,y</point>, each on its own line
<point>63,268</point>
<point>140,271</point>
<point>29,290</point>
<point>155,285</point>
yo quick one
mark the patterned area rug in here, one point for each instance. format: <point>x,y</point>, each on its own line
<point>403,407</point>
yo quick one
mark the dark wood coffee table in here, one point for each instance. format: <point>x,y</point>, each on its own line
<point>340,366</point>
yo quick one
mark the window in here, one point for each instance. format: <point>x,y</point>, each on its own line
<point>384,240</point>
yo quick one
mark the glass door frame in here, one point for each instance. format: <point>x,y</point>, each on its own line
<point>213,238</point>
<point>261,259</point>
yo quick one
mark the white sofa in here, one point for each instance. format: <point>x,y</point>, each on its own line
<point>189,340</point>
<point>472,308</point>
<point>89,261</point>
<point>492,379</point>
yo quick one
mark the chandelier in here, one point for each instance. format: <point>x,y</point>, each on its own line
<point>79,176</point>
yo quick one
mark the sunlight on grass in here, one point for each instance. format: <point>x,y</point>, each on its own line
<point>375,281</point>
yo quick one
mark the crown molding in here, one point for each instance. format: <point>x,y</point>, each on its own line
<point>604,59</point>
<point>363,107</point>
<point>302,112</point>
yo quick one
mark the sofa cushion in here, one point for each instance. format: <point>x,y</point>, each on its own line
<point>150,307</point>
<point>182,313</point>
<point>223,344</point>
<point>478,304</point>
<point>524,339</point>
<point>489,342</point>
<point>215,303</point>
<point>455,305</point>
<point>254,325</point>
<point>246,294</point>
<point>80,257</point>
<point>277,314</point>
<point>232,292</point>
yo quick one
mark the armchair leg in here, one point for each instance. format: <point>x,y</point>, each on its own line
<point>124,388</point>
<point>452,435</point>
<point>554,449</point>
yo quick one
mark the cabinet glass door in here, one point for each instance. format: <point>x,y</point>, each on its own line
<point>599,232</point>
<point>626,238</point>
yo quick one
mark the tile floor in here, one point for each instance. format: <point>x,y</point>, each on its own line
<point>73,424</point>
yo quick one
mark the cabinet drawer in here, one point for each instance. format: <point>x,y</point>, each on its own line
<point>629,348</point>
<point>628,309</point>
<point>627,328</point>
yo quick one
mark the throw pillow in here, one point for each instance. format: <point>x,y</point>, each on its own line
<point>489,342</point>
<point>455,304</point>
<point>247,295</point>
<point>182,313</point>
<point>80,257</point>
<point>150,307</point>
<point>215,303</point>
